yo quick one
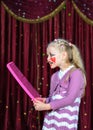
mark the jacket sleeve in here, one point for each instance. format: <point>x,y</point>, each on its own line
<point>52,86</point>
<point>76,87</point>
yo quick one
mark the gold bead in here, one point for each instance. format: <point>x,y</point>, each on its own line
<point>17,101</point>
<point>85,114</point>
<point>6,107</point>
<point>84,102</point>
<point>85,126</point>
<point>42,78</point>
<point>25,113</point>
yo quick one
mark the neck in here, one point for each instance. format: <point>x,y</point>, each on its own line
<point>65,66</point>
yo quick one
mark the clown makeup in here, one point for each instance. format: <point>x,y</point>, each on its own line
<point>54,56</point>
<point>51,58</point>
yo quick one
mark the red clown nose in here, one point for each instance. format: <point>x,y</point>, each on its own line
<point>53,59</point>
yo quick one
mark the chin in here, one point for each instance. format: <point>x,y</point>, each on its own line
<point>52,67</point>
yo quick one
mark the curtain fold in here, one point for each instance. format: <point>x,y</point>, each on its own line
<point>84,9</point>
<point>28,11</point>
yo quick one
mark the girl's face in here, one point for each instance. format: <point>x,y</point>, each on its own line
<point>55,57</point>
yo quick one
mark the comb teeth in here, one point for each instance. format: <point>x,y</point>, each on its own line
<point>22,80</point>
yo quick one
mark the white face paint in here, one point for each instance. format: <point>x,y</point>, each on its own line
<point>54,57</point>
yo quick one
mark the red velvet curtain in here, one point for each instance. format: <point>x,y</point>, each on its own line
<point>25,44</point>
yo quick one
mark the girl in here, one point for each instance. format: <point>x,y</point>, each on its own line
<point>66,88</point>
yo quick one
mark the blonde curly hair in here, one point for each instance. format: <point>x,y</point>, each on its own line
<point>74,55</point>
<point>73,52</point>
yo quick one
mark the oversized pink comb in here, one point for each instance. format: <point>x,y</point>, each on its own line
<point>21,79</point>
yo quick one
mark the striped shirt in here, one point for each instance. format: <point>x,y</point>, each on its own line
<point>64,98</point>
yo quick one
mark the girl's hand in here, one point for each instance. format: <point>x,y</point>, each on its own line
<point>40,106</point>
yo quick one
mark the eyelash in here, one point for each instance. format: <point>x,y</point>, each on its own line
<point>52,55</point>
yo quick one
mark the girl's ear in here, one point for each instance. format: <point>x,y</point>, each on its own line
<point>64,54</point>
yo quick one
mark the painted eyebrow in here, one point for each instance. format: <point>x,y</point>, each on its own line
<point>51,54</point>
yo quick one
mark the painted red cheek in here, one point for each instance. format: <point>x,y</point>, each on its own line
<point>53,59</point>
